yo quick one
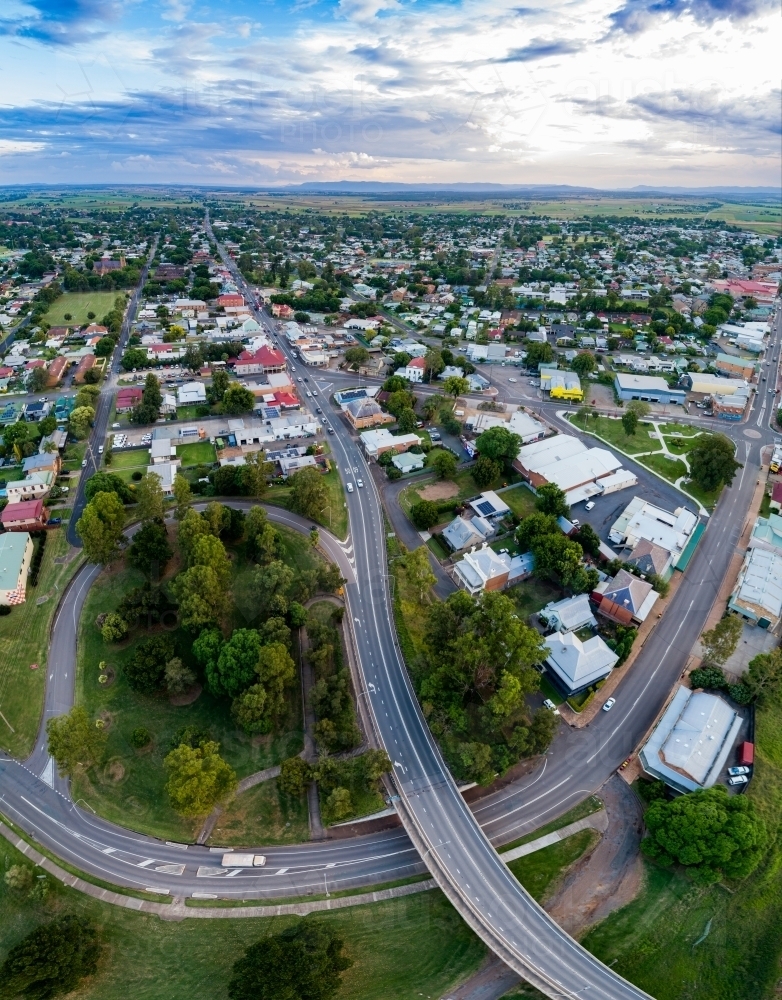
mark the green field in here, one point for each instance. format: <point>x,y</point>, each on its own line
<point>78,304</point>
<point>611,430</point>
<point>262,815</point>
<point>521,500</point>
<point>677,940</point>
<point>533,594</point>
<point>198,453</point>
<point>133,458</point>
<point>24,639</point>
<point>334,516</point>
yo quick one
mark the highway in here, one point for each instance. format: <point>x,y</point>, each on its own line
<point>439,826</point>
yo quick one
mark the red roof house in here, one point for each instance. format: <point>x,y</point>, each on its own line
<point>230,299</point>
<point>55,370</point>
<point>28,515</point>
<point>128,398</point>
<point>265,359</point>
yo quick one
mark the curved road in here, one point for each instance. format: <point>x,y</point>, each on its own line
<point>439,825</point>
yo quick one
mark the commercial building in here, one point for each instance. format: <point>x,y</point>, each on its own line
<point>691,743</point>
<point>757,596</point>
<point>735,367</point>
<point>484,569</point>
<point>576,665</point>
<point>366,412</point>
<point>731,406</point>
<point>561,385</point>
<point>27,515</point>
<point>702,382</point>
<point>569,614</point>
<point>648,388</point>
<point>265,359</point>
<point>579,471</point>
<point>667,532</point>
<point>414,371</point>
<point>16,551</point>
<point>625,599</point>
<point>377,442</point>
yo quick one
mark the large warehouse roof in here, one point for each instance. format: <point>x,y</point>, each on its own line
<point>566,461</point>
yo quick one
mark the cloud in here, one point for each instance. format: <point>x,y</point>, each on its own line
<point>12,147</point>
<point>62,22</point>
<point>539,48</point>
<point>636,16</point>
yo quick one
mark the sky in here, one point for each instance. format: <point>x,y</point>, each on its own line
<point>603,93</point>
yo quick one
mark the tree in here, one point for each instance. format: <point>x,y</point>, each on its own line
<point>712,461</point>
<point>193,358</point>
<point>75,742</point>
<point>407,421</point>
<point>375,764</point>
<point>263,540</point>
<point>100,528</point>
<point>149,550</point>
<point>444,463</point>
<point>52,959</point>
<point>640,408</point>
<point>539,354</point>
<point>721,641</point>
<point>255,472</point>
<point>237,400</point>
<point>107,482</point>
<point>217,518</point>
<point>148,410</point>
<point>712,834</point>
<point>178,677</point>
<point>201,596</point>
<point>210,552</point>
<point>198,778</point>
<point>105,347</point>
<point>456,385</point>
<point>419,570</point>
<point>191,528</point>
<point>235,667</point>
<point>269,587</point>
<point>534,527</point>
<point>145,671</point>
<point>309,494</point>
<point>588,539</point>
<point>134,357</point>
<point>207,648</point>
<point>276,670</point>
<point>551,500</point>
<point>338,805</point>
<point>629,423</point>
<point>249,710</point>
<point>114,627</point>
<point>183,496</point>
<point>80,421</point>
<point>424,514</point>
<point>37,380</point>
<point>711,678</point>
<point>764,675</point>
<point>356,356</point>
<point>485,471</point>
<point>220,382</point>
<point>399,401</point>
<point>499,444</point>
<point>583,363</point>
<point>295,775</point>
<point>150,498</point>
<point>304,962</point>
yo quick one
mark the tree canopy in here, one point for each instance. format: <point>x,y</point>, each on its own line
<point>74,741</point>
<point>712,461</point>
<point>309,493</point>
<point>499,444</point>
<point>100,528</point>
<point>51,959</point>
<point>198,778</point>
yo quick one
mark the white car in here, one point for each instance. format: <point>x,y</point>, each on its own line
<point>100,450</point>
<point>349,487</point>
<point>549,704</point>
<point>738,779</point>
<point>575,522</point>
<point>590,505</point>
<point>512,380</point>
<point>359,483</point>
<point>609,704</point>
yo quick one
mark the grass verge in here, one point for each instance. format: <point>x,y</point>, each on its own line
<point>334,516</point>
<point>262,815</point>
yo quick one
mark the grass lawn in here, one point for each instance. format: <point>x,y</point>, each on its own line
<point>669,468</point>
<point>334,516</point>
<point>440,550</point>
<point>540,872</point>
<point>533,594</point>
<point>521,501</point>
<point>129,788</point>
<point>78,304</point>
<point>610,429</point>
<point>677,940</point>
<point>24,639</point>
<point>398,948</point>
<point>262,815</point>
<point>74,454</point>
<point>586,808</point>
<point>133,458</point>
<point>189,412</point>
<point>463,481</point>
<point>199,453</point>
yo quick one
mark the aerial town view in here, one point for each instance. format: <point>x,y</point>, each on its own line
<point>390,501</point>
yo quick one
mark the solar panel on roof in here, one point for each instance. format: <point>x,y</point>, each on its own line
<point>485,507</point>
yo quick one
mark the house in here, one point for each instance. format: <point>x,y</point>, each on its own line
<point>575,664</point>
<point>16,551</point>
<point>293,463</point>
<point>692,742</point>
<point>265,359</point>
<point>166,473</point>
<point>161,450</point>
<point>776,497</point>
<point>168,405</point>
<point>376,442</point>
<point>414,371</point>
<point>569,614</point>
<point>33,412</point>
<point>33,487</point>
<point>625,598</point>
<point>127,398</point>
<point>28,515</point>
<point>86,364</point>
<point>643,520</point>
<point>191,392</point>
<point>282,311</point>
<point>757,596</point>
<point>484,569</point>
<point>489,505</point>
<point>44,461</point>
<point>649,388</point>
<point>366,413</point>
<point>55,371</point>
<point>463,532</point>
<point>406,461</point>
<point>731,365</point>
<point>56,440</point>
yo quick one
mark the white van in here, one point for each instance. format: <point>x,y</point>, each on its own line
<point>349,487</point>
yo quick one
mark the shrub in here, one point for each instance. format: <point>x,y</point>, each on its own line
<point>711,678</point>
<point>140,737</point>
<point>137,476</point>
<point>145,673</point>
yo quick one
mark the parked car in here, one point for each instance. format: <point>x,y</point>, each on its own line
<point>738,779</point>
<point>54,520</point>
<point>549,704</point>
<point>738,770</point>
<point>609,704</point>
<point>84,463</point>
<point>590,505</point>
<point>359,482</point>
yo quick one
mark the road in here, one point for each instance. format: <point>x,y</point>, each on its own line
<point>440,828</point>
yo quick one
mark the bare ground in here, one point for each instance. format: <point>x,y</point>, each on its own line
<point>439,491</point>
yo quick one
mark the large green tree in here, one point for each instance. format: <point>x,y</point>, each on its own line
<point>80,421</point>
<point>149,551</point>
<point>276,671</point>
<point>485,471</point>
<point>444,463</point>
<point>263,540</point>
<point>764,675</point>
<point>550,499</point>
<point>198,779</point>
<point>100,528</point>
<point>309,493</point>
<point>712,461</point>
<point>150,499</point>
<point>237,400</point>
<point>75,742</point>
<point>51,959</point>
<point>721,641</point>
<point>711,833</point>
<point>108,482</point>
<point>499,444</point>
<point>235,667</point>
<point>303,962</point>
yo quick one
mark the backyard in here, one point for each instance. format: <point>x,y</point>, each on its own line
<point>24,640</point>
<point>77,305</point>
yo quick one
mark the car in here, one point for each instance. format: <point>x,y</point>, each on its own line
<point>330,430</point>
<point>100,450</point>
<point>299,379</point>
<point>309,394</point>
<point>738,779</point>
<point>55,520</point>
<point>64,489</point>
<point>512,380</point>
<point>84,463</point>
<point>590,505</point>
<point>293,369</point>
<point>359,482</point>
<point>532,381</point>
<point>114,426</point>
<point>349,487</point>
<point>549,704</point>
<point>306,379</point>
<point>318,409</point>
<point>609,704</point>
<point>575,521</point>
<point>314,392</point>
<point>738,770</point>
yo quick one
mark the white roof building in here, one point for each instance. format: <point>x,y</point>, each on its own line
<point>485,569</point>
<point>578,664</point>
<point>191,392</point>
<point>408,461</point>
<point>569,614</point>
<point>377,441</point>
<point>166,473</point>
<point>691,743</point>
<point>488,504</point>
<point>463,532</point>
<point>642,520</point>
<point>579,471</point>
<point>757,595</point>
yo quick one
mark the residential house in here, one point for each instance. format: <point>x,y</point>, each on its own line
<point>55,371</point>
<point>33,487</point>
<point>575,665</point>
<point>642,520</point>
<point>376,442</point>
<point>85,364</point>
<point>463,532</point>
<point>44,461</point>
<point>484,569</point>
<point>569,614</point>
<point>625,599</point>
<point>54,441</point>
<point>33,412</point>
<point>166,473</point>
<point>28,515</point>
<point>161,450</point>
<point>489,505</point>
<point>776,496</point>
<point>127,398</point>
<point>16,551</point>
<point>191,393</point>
<point>414,371</point>
<point>407,462</point>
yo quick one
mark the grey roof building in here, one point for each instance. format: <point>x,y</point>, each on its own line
<point>463,532</point>
<point>576,664</point>
<point>569,614</point>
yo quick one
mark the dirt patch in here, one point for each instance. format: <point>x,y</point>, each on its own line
<point>107,719</point>
<point>439,491</point>
<point>188,697</point>
<point>609,877</point>
<point>114,772</point>
<point>110,676</point>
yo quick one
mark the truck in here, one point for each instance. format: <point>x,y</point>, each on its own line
<point>746,753</point>
<point>234,860</point>
<point>776,459</point>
